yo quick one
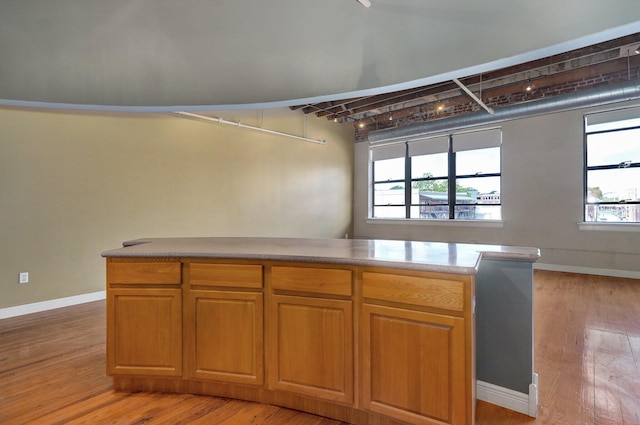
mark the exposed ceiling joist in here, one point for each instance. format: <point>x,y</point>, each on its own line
<point>473,96</point>
<point>522,82</point>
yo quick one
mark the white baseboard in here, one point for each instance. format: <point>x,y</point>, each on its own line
<point>510,399</point>
<point>587,270</point>
<point>20,310</point>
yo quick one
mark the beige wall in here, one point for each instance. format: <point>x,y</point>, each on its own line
<point>542,201</point>
<point>75,184</point>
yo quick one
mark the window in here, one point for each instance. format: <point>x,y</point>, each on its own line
<point>414,179</point>
<point>612,167</point>
<point>389,180</point>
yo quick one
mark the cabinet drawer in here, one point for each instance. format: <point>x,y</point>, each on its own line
<point>144,273</point>
<point>422,291</point>
<point>236,275</point>
<point>310,279</point>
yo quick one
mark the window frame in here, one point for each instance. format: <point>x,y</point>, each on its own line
<point>452,180</point>
<point>605,225</point>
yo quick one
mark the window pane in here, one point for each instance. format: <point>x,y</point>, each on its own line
<point>388,194</point>
<point>613,213</point>
<point>414,211</point>
<point>436,165</point>
<point>388,169</point>
<point>432,200</point>
<point>389,212</point>
<point>613,148</point>
<point>394,186</point>
<point>432,210</point>
<point>482,189</point>
<point>620,184</point>
<point>478,161</point>
<point>429,191</point>
<point>478,212</point>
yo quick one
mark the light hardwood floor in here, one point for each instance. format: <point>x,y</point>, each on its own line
<point>587,355</point>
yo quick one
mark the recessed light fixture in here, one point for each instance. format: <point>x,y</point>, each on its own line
<point>440,107</point>
<point>365,3</point>
<point>637,50</point>
<point>361,125</point>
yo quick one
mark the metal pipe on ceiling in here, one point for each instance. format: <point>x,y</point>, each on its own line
<point>594,97</point>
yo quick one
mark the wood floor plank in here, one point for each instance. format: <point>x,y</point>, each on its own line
<point>585,328</point>
<point>587,356</point>
<point>195,408</point>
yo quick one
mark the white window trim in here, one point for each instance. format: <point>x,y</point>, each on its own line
<point>609,227</point>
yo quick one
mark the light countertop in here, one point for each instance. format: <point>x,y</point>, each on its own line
<point>413,255</point>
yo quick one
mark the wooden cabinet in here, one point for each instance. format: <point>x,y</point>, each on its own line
<point>224,326</point>
<point>416,363</point>
<point>144,319</point>
<point>413,365</point>
<point>365,345</point>
<point>311,332</point>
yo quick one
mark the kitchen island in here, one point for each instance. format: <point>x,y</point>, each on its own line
<point>363,331</point>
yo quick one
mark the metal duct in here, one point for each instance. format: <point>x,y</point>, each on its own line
<point>593,97</point>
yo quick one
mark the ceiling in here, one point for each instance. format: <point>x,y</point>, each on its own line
<point>608,62</point>
<point>198,55</point>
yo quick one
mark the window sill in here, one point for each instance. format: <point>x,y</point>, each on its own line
<point>446,223</point>
<point>610,227</point>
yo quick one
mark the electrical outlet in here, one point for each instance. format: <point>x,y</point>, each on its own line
<point>24,277</point>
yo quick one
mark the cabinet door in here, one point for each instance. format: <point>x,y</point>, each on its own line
<point>144,331</point>
<point>226,329</point>
<point>311,347</point>
<point>414,365</point>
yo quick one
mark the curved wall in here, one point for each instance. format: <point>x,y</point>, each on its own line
<point>73,185</point>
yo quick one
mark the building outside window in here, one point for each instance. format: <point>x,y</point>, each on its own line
<point>452,177</point>
<point>612,167</point>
